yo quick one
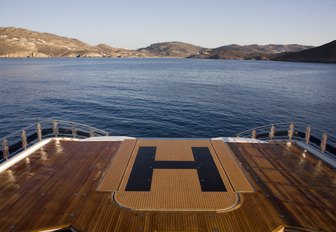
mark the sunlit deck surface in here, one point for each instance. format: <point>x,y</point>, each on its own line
<point>86,185</point>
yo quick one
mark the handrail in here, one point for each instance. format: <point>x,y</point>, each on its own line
<point>59,121</point>
<point>22,139</point>
<point>26,137</point>
<point>283,123</point>
<point>326,143</point>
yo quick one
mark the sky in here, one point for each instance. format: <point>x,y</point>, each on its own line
<point>208,23</point>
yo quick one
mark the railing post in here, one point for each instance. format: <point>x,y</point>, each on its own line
<point>254,134</point>
<point>307,135</point>
<point>291,131</point>
<point>324,142</point>
<point>74,131</point>
<point>92,133</point>
<point>39,132</point>
<point>5,148</point>
<point>272,132</point>
<point>55,128</point>
<point>24,139</point>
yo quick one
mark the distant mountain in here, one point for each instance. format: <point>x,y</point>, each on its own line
<point>171,49</point>
<point>268,49</point>
<point>325,53</point>
<point>18,42</point>
<point>108,51</point>
<point>248,52</point>
<point>233,51</point>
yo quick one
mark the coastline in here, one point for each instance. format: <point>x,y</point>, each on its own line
<point>166,57</point>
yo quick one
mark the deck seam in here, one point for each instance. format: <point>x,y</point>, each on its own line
<point>222,165</point>
<point>135,145</point>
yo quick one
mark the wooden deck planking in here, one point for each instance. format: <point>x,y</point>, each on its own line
<point>69,178</point>
<point>113,176</point>
<point>304,196</point>
<point>233,171</point>
<point>72,171</point>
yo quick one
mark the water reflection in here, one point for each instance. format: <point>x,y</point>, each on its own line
<point>44,155</point>
<point>301,164</point>
<point>318,168</point>
<point>28,170</point>
<point>11,176</point>
<point>58,146</point>
<point>12,179</point>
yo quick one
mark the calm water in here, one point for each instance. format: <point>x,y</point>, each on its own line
<point>166,97</point>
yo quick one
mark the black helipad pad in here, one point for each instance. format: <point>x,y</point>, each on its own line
<point>141,175</point>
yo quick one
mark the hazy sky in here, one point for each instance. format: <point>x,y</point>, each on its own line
<point>208,23</point>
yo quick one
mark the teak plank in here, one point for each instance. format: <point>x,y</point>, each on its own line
<point>111,180</point>
<point>58,187</point>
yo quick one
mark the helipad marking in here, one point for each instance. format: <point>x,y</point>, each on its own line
<point>173,175</point>
<point>141,175</point>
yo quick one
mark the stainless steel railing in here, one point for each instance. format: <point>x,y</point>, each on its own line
<point>326,143</point>
<point>21,140</point>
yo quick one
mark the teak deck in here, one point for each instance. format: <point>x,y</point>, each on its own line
<point>175,189</point>
<point>58,186</point>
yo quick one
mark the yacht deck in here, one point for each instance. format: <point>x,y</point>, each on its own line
<point>88,185</point>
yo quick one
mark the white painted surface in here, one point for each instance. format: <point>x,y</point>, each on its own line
<point>25,153</point>
<point>326,158</point>
<point>108,138</point>
<point>22,155</point>
<point>5,165</point>
<point>238,140</point>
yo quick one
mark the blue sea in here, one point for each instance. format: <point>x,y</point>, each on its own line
<point>166,97</point>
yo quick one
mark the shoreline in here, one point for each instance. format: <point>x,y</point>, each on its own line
<point>156,57</point>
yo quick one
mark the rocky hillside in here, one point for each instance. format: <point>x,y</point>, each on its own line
<point>18,42</point>
<point>325,53</point>
<point>108,51</point>
<point>268,49</point>
<point>248,52</point>
<point>171,49</point>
